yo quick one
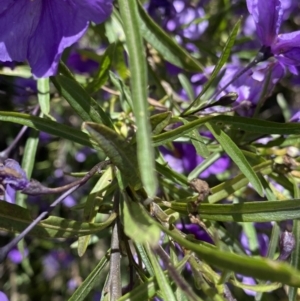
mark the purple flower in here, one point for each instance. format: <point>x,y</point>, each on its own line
<point>295,117</point>
<point>3,297</point>
<point>248,86</point>
<point>180,17</point>
<point>16,256</point>
<point>196,230</point>
<point>39,31</point>
<point>79,63</point>
<point>55,261</point>
<point>12,178</point>
<point>267,16</point>
<point>184,159</point>
<point>185,23</point>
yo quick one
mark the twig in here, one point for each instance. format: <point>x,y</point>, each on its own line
<point>70,188</point>
<point>114,286</point>
<point>5,154</point>
<point>36,188</point>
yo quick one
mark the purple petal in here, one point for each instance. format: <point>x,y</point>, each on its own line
<point>10,194</point>
<point>43,29</point>
<point>13,174</point>
<point>3,297</point>
<point>295,117</point>
<point>267,16</point>
<point>287,48</point>
<point>18,21</point>
<point>16,256</point>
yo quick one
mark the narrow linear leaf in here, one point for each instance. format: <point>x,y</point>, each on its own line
<point>121,153</point>
<point>91,207</point>
<point>144,291</point>
<point>28,161</point>
<point>125,94</point>
<point>84,105</point>
<point>198,142</point>
<point>104,65</point>
<point>221,62</point>
<point>186,85</point>
<point>137,224</point>
<point>43,87</point>
<point>260,268</point>
<point>161,278</point>
<point>138,69</point>
<point>90,281</point>
<point>240,123</point>
<point>14,218</point>
<point>295,258</point>
<point>160,121</point>
<point>237,156</point>
<point>49,126</point>
<point>167,47</point>
<point>267,287</point>
<point>230,186</point>
<point>245,212</point>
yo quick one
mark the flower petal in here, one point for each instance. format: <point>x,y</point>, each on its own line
<point>40,30</point>
<point>18,20</point>
<point>10,194</point>
<point>267,16</point>
<point>287,48</point>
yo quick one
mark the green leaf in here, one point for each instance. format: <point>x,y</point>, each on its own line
<point>43,87</point>
<point>102,75</point>
<point>260,268</point>
<point>14,218</point>
<point>230,186</point>
<point>138,70</point>
<point>203,166</point>
<point>143,291</point>
<point>266,287</point>
<point>245,212</point>
<point>125,94</point>
<point>240,123</point>
<point>186,85</point>
<point>28,161</point>
<point>237,156</point>
<point>167,47</point>
<point>221,62</point>
<point>91,207</point>
<point>160,121</point>
<point>90,281</point>
<point>121,153</point>
<point>49,126</point>
<point>161,278</point>
<point>295,258</point>
<point>84,105</point>
<point>138,225</point>
<point>198,142</point>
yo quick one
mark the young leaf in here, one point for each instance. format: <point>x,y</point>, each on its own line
<point>237,156</point>
<point>167,47</point>
<point>245,212</point>
<point>49,126</point>
<point>90,281</point>
<point>102,75</point>
<point>84,105</point>
<point>92,205</point>
<point>138,225</point>
<point>120,152</point>
<point>14,218</point>
<point>196,104</point>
